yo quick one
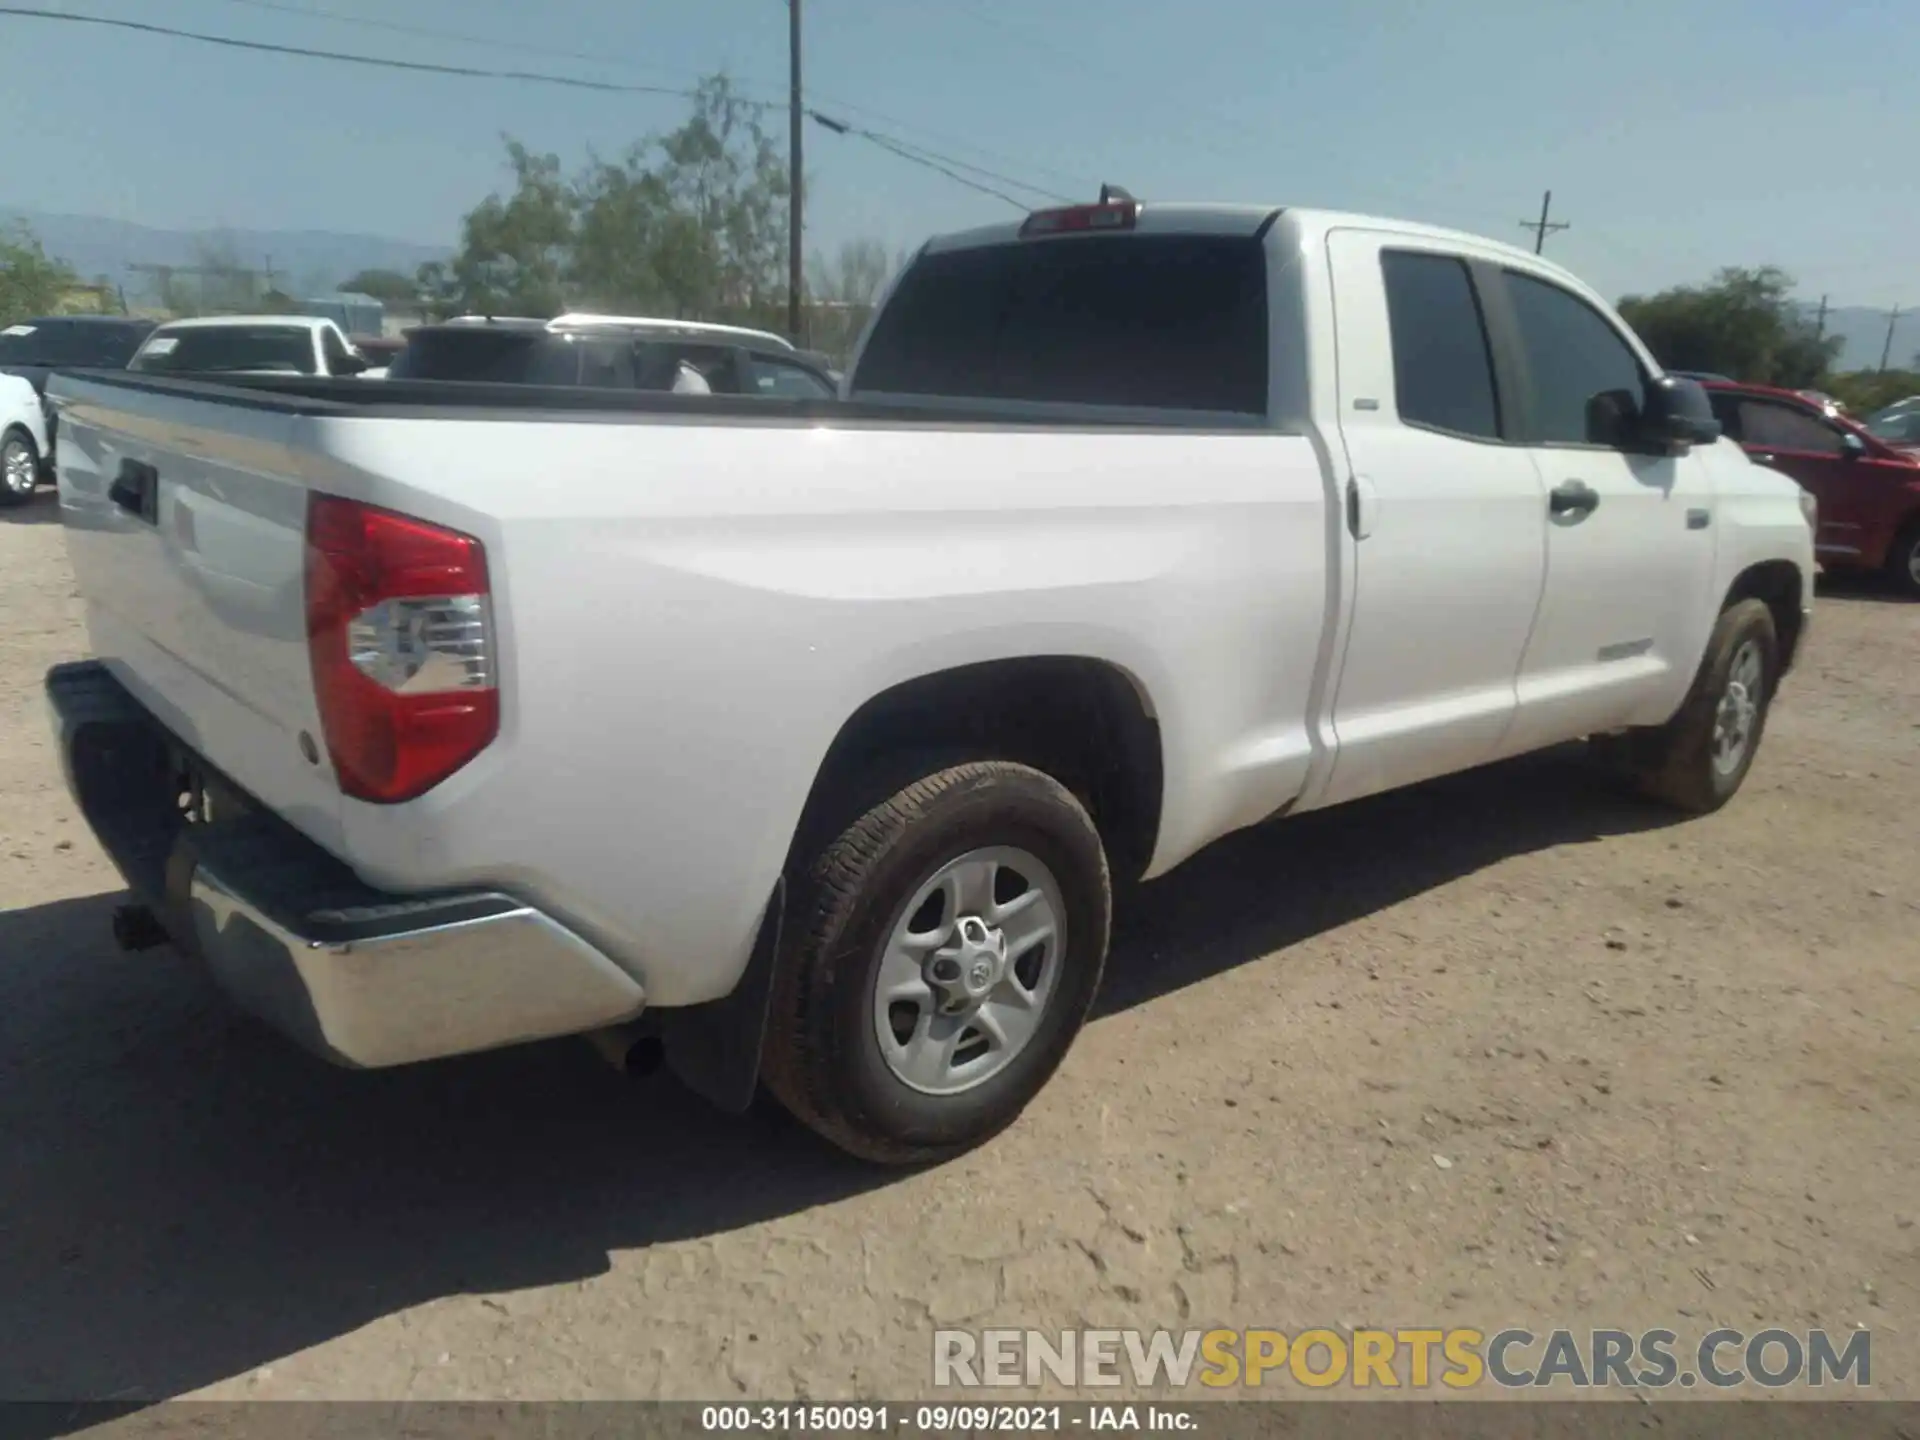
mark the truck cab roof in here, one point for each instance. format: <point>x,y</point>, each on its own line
<point>1227,221</point>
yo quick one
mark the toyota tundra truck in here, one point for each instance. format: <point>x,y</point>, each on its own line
<point>806,740</point>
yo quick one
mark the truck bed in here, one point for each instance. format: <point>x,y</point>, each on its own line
<point>667,572</point>
<point>423,399</point>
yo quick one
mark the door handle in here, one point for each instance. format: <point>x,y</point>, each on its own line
<point>1764,457</point>
<point>1573,497</point>
<point>136,490</point>
<point>1361,502</point>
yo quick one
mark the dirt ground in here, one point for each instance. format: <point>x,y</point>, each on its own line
<point>1672,1070</point>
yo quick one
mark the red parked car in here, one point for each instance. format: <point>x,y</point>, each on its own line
<point>1868,489</point>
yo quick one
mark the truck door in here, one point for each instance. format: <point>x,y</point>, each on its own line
<point>1445,520</point>
<point>1630,543</point>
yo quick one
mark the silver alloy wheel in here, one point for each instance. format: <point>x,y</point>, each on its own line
<point>1913,560</point>
<point>1739,710</point>
<point>18,467</point>
<point>970,963</point>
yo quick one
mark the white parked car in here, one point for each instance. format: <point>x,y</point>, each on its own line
<point>241,345</point>
<point>809,738</point>
<point>23,439</point>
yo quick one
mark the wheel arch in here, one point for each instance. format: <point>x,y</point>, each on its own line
<point>1087,722</point>
<point>1779,585</point>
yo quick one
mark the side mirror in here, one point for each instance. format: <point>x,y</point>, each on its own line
<point>1677,411</point>
<point>1852,447</point>
<point>350,365</point>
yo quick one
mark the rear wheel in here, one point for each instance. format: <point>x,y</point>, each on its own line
<point>1903,561</point>
<point>19,467</point>
<point>1697,760</point>
<point>943,952</point>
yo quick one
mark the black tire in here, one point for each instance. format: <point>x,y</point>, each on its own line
<point>1675,763</point>
<point>1903,561</point>
<point>823,1061</point>
<point>15,439</point>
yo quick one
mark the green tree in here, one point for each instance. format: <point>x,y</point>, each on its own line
<point>391,288</point>
<point>31,282</point>
<point>1744,324</point>
<point>842,291</point>
<point>514,251</point>
<point>1865,391</point>
<point>690,223</point>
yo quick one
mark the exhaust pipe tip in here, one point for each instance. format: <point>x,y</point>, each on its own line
<point>135,927</point>
<point>628,1051</point>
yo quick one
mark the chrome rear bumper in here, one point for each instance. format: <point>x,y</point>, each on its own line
<point>361,976</point>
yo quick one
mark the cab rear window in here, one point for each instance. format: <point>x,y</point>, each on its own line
<point>1165,322</point>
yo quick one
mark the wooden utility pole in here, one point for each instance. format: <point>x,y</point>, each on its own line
<point>1886,350</point>
<point>1543,227</point>
<point>1820,321</point>
<point>795,199</point>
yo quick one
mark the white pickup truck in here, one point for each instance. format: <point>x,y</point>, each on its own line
<point>805,740</point>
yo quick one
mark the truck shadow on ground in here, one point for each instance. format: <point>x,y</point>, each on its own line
<point>184,1197</point>
<point>1849,585</point>
<point>42,508</point>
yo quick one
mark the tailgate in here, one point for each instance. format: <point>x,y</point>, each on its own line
<point>185,522</point>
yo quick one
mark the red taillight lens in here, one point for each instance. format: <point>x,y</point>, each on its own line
<point>400,635</point>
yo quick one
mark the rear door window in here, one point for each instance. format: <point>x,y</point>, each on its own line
<point>784,379</point>
<point>335,350</point>
<point>1168,322</point>
<point>606,364</point>
<point>501,357</point>
<point>230,349</point>
<point>1442,367</point>
<point>1776,425</point>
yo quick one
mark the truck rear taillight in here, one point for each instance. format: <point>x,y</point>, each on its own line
<point>400,635</point>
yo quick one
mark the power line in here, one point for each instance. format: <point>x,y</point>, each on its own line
<point>379,62</point>
<point>921,155</point>
<point>421,32</point>
<point>466,38</point>
<point>840,127</point>
<point>933,159</point>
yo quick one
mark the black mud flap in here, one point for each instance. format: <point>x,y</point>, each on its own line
<point>715,1048</point>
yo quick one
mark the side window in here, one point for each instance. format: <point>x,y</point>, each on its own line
<point>606,365</point>
<point>778,378</point>
<point>334,348</point>
<point>1442,369</point>
<point>1587,382</point>
<point>553,360</point>
<point>1726,409</point>
<point>1770,425</point>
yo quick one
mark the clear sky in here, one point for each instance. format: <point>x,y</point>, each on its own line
<point>1676,135</point>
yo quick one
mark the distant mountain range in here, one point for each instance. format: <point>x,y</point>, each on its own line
<point>303,262</point>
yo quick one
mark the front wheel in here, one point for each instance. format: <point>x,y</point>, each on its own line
<point>941,955</point>
<point>1903,561</point>
<point>19,467</point>
<point>1698,759</point>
